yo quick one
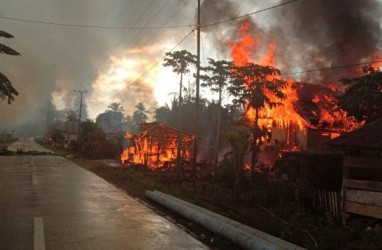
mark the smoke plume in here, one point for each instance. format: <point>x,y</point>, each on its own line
<point>308,34</point>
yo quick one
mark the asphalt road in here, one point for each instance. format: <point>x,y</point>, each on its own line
<point>48,202</point>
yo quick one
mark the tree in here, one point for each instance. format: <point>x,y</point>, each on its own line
<point>252,85</point>
<point>51,115</point>
<point>363,96</point>
<point>140,114</point>
<point>115,107</point>
<point>91,129</point>
<point>7,91</point>
<point>218,73</point>
<point>71,115</point>
<point>180,61</point>
<point>238,139</point>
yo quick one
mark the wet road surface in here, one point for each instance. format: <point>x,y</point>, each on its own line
<point>48,202</point>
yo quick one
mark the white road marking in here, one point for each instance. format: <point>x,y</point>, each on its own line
<point>34,179</point>
<point>39,237</point>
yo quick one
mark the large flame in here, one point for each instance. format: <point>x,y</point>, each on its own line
<point>156,147</point>
<point>288,121</point>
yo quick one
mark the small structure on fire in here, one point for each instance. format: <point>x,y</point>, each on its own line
<point>156,146</point>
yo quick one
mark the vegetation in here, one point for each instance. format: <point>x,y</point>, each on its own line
<point>116,107</point>
<point>269,204</point>
<point>363,96</point>
<point>7,91</point>
<point>180,62</point>
<point>252,86</point>
<point>217,76</point>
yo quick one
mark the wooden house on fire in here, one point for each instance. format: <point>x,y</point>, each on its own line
<point>156,146</point>
<point>305,120</point>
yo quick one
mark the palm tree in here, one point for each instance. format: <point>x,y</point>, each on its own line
<point>115,107</point>
<point>249,86</point>
<point>180,61</point>
<point>140,115</point>
<point>218,74</point>
<point>6,88</point>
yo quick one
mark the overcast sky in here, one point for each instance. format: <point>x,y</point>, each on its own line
<point>111,64</point>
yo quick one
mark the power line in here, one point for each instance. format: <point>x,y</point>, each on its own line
<point>173,16</point>
<point>144,28</point>
<point>102,62</point>
<point>147,23</point>
<point>147,71</point>
<point>330,68</point>
<point>249,14</point>
<point>95,26</point>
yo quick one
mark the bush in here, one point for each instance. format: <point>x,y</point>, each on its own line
<point>225,174</point>
<point>98,149</point>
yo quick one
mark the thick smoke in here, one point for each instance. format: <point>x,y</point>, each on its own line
<point>217,10</point>
<point>55,60</point>
<point>310,34</point>
<point>318,34</point>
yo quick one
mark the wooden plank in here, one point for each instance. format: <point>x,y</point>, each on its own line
<point>334,204</point>
<point>364,197</point>
<point>365,185</point>
<point>367,210</point>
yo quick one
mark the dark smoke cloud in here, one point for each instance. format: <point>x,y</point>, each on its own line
<point>328,33</point>
<point>309,34</point>
<point>217,10</point>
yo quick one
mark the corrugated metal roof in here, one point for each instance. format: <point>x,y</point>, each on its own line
<point>366,137</point>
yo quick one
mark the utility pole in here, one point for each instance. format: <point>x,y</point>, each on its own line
<point>196,126</point>
<point>79,116</point>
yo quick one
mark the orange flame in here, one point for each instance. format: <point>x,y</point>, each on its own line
<point>285,116</point>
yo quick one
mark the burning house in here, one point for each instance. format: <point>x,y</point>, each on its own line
<point>156,146</point>
<point>305,120</point>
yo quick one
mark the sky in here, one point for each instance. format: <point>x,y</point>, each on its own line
<point>115,64</point>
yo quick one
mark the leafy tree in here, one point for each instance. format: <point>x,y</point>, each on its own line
<point>363,95</point>
<point>91,129</point>
<point>71,115</point>
<point>238,139</point>
<point>110,121</point>
<point>218,73</point>
<point>7,91</point>
<point>168,114</point>
<point>181,62</point>
<point>129,125</point>
<point>51,115</point>
<point>252,86</point>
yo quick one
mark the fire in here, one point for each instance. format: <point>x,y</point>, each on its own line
<point>301,110</point>
<point>241,50</point>
<point>156,147</point>
<point>269,57</point>
<point>378,58</point>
